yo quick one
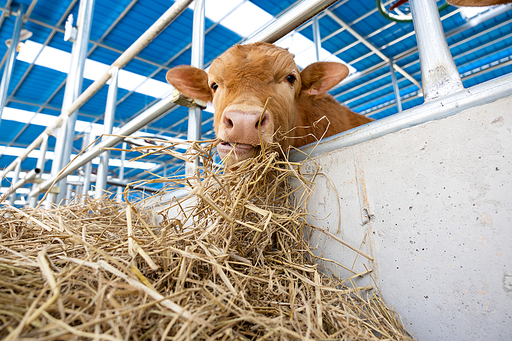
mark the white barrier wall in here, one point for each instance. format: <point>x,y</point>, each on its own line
<point>435,204</point>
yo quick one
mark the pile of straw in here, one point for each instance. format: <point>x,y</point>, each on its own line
<point>236,265</point>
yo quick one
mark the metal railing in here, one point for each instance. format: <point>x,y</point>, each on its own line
<point>442,88</point>
<point>428,28</point>
<point>287,22</point>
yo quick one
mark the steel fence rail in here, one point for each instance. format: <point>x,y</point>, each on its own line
<point>169,16</point>
<point>297,15</point>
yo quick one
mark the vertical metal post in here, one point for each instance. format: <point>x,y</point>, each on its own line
<point>439,75</point>
<point>108,125</point>
<point>87,140</point>
<point>316,38</point>
<point>40,164</point>
<point>11,58</point>
<point>119,195</point>
<point>396,89</point>
<point>15,179</point>
<point>66,133</point>
<point>197,60</point>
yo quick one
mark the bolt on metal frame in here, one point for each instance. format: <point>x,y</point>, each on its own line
<point>40,165</point>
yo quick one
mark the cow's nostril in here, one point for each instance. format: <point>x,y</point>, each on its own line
<point>229,123</point>
<point>261,122</point>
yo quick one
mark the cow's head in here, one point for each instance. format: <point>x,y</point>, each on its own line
<point>240,82</point>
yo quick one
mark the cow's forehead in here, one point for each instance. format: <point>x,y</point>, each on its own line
<point>258,58</point>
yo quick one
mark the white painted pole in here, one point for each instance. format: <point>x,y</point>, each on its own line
<point>11,58</point>
<point>119,195</point>
<point>316,38</point>
<point>396,89</point>
<point>66,134</point>
<point>197,60</point>
<point>439,75</point>
<point>40,165</point>
<point>108,124</point>
<point>15,179</point>
<point>87,140</point>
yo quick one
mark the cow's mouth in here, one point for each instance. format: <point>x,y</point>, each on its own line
<point>236,151</point>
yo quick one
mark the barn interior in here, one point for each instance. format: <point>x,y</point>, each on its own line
<point>378,44</point>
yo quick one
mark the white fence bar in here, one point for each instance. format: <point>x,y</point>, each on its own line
<point>439,75</point>
<point>40,165</point>
<point>433,110</point>
<point>108,124</point>
<point>197,60</point>
<point>15,180</point>
<point>316,37</point>
<point>119,195</point>
<point>396,89</point>
<point>143,119</point>
<point>11,58</point>
<point>170,15</point>
<point>87,140</point>
<point>66,134</point>
<point>289,21</point>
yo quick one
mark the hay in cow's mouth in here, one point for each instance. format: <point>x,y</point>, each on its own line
<point>238,265</point>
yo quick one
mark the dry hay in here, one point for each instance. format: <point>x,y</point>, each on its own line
<point>237,266</point>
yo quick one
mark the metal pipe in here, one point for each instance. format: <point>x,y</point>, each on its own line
<point>439,75</point>
<point>15,179</point>
<point>121,183</point>
<point>11,59</point>
<point>371,47</point>
<point>396,89</point>
<point>129,128</point>
<point>108,125</point>
<point>66,134</point>
<point>197,60</point>
<point>88,138</point>
<point>119,195</point>
<point>287,22</point>
<point>377,67</point>
<point>23,156</point>
<point>316,38</point>
<point>169,16</point>
<point>433,110</point>
<point>40,165</point>
<point>20,183</point>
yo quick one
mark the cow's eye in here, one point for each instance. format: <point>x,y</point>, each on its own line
<point>214,86</point>
<point>291,79</point>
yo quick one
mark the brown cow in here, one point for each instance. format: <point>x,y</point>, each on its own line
<point>241,80</point>
<point>478,3</point>
<point>462,3</point>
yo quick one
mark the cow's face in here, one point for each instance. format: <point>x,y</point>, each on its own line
<point>239,84</point>
<point>242,81</point>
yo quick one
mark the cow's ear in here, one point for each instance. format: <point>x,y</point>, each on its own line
<point>190,81</point>
<point>320,77</point>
